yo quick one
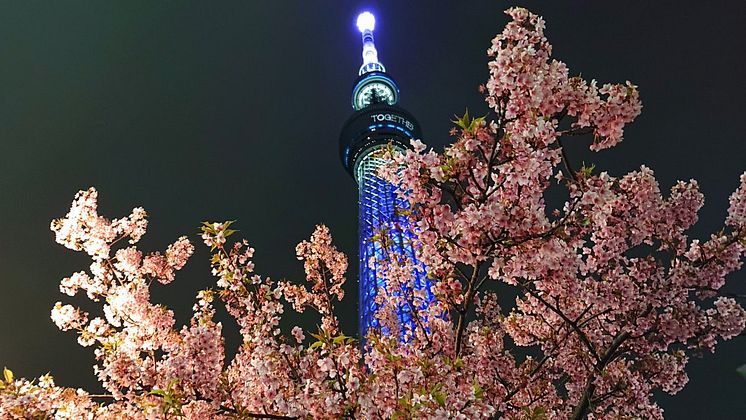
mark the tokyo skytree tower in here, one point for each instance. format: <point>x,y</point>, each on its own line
<point>376,124</point>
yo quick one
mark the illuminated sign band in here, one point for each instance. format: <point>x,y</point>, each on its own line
<point>392,118</point>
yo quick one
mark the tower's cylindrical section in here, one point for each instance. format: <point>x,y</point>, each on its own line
<point>384,228</point>
<point>385,234</point>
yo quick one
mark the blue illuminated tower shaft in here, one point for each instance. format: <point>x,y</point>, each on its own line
<point>385,232</point>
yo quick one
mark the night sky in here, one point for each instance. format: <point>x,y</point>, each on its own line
<point>231,110</point>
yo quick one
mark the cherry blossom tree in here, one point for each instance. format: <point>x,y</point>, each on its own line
<point>611,296</point>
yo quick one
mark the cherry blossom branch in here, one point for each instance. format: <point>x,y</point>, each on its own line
<point>578,131</point>
<point>469,296</point>
<point>247,415</point>
<point>548,355</point>
<point>585,399</point>
<point>566,161</point>
<point>583,337</point>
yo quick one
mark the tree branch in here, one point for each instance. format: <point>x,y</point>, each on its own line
<point>582,408</point>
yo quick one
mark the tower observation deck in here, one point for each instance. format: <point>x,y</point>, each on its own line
<point>378,123</point>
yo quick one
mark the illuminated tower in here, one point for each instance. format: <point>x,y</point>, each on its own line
<point>377,123</point>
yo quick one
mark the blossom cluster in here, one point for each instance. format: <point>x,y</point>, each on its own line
<point>611,291</point>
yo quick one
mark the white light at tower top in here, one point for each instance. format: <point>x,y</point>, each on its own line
<point>366,22</point>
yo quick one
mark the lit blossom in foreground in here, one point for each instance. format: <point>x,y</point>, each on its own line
<point>613,297</point>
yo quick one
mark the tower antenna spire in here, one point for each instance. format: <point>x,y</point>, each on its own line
<point>366,23</point>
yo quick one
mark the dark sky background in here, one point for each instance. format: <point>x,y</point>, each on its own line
<point>231,110</point>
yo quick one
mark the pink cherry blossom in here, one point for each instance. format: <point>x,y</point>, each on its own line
<point>612,297</point>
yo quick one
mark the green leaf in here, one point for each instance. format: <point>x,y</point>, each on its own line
<point>458,363</point>
<point>587,171</point>
<point>463,121</point>
<point>537,413</point>
<point>439,398</point>
<point>467,123</point>
<point>340,339</point>
<point>478,391</point>
<point>206,228</point>
<point>159,392</point>
<point>393,358</point>
<point>319,337</point>
<point>8,374</point>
